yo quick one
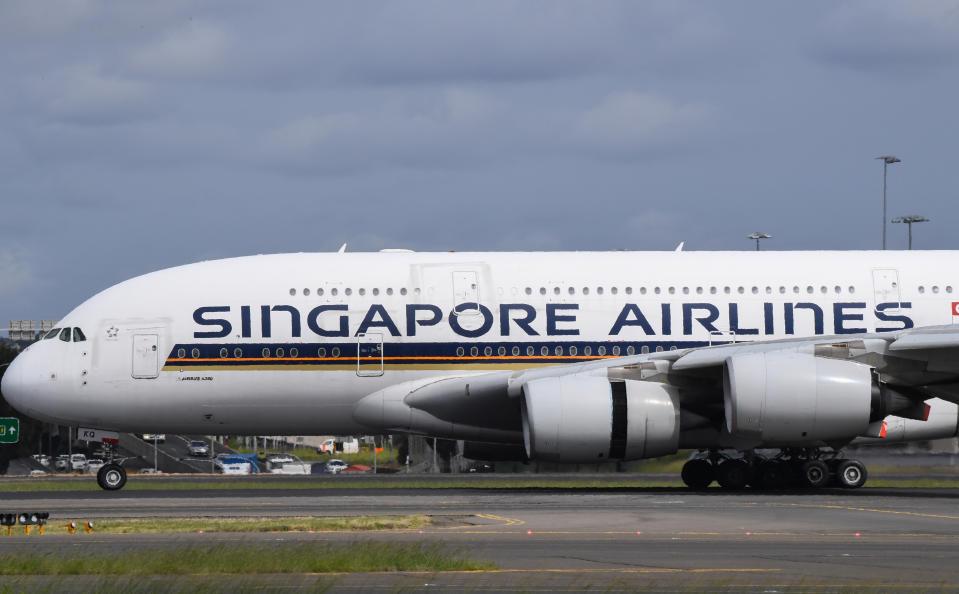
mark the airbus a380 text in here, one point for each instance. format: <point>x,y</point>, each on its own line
<point>565,357</point>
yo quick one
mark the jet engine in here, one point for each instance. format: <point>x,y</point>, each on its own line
<point>595,419</point>
<point>795,399</point>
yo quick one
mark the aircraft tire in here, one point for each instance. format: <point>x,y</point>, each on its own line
<point>815,474</point>
<point>111,477</point>
<point>733,474</point>
<point>851,474</point>
<point>698,474</point>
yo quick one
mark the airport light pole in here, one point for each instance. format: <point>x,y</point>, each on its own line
<point>909,221</point>
<point>887,160</point>
<point>757,236</point>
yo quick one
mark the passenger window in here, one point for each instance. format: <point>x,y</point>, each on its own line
<point>587,350</point>
<point>279,351</point>
<point>237,352</point>
<point>51,334</point>
<point>336,351</point>
<point>530,351</point>
<point>515,351</point>
<point>544,351</point>
<point>601,351</point>
<point>460,352</point>
<point>224,353</point>
<point>65,335</point>
<point>294,353</point>
<point>78,335</point>
<point>181,353</point>
<point>501,351</point>
<point>321,353</point>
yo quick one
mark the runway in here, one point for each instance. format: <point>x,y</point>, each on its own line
<point>547,539</point>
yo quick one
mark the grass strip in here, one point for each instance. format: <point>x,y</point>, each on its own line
<point>184,525</point>
<point>248,559</point>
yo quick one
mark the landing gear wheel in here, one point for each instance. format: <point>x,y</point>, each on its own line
<point>815,474</point>
<point>733,474</point>
<point>111,477</point>
<point>851,474</point>
<point>698,474</point>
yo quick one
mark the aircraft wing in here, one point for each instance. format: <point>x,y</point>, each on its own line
<point>894,375</point>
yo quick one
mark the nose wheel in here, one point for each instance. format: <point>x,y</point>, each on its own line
<point>111,477</point>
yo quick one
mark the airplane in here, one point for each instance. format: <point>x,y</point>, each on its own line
<point>767,364</point>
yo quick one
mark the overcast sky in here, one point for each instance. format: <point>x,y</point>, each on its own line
<point>137,136</point>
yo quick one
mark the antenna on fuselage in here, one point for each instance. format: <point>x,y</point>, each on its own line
<point>342,249</point>
<point>679,247</point>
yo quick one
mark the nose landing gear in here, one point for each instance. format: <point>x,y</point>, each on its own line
<point>111,477</point>
<point>789,469</point>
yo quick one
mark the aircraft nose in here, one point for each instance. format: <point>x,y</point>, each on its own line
<point>12,385</point>
<point>22,385</point>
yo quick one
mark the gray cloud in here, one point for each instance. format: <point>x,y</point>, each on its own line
<point>139,136</point>
<point>884,35</point>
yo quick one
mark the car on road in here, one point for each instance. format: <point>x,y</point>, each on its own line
<point>199,448</point>
<point>233,464</point>
<point>78,462</point>
<point>42,459</point>
<point>62,463</point>
<point>335,465</point>
<point>286,464</point>
<point>94,465</point>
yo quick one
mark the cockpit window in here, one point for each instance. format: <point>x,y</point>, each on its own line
<point>51,334</point>
<point>65,335</point>
<point>78,335</point>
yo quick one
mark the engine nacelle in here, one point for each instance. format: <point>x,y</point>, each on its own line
<point>795,399</point>
<point>593,419</point>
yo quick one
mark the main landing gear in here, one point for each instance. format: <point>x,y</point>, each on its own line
<point>790,469</point>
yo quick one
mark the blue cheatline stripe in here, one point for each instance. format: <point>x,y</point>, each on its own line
<point>410,353</point>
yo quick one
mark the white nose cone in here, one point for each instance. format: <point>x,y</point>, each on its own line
<point>13,388</point>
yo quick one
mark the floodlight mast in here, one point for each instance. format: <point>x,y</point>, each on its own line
<point>757,236</point>
<point>887,160</point>
<point>909,220</point>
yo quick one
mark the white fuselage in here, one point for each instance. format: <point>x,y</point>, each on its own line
<point>287,344</point>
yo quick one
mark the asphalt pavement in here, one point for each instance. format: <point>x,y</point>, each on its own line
<point>549,539</point>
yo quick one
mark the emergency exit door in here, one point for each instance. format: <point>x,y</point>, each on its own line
<point>146,356</point>
<point>465,293</point>
<point>885,284</point>
<point>369,355</point>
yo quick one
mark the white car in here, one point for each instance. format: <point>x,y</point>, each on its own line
<point>78,462</point>
<point>199,448</point>
<point>286,464</point>
<point>62,463</point>
<point>226,464</point>
<point>94,465</point>
<point>335,465</point>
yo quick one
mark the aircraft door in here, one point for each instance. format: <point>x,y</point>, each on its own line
<point>369,355</point>
<point>885,284</point>
<point>145,356</point>
<point>465,293</point>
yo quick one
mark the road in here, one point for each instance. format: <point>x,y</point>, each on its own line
<point>545,539</point>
